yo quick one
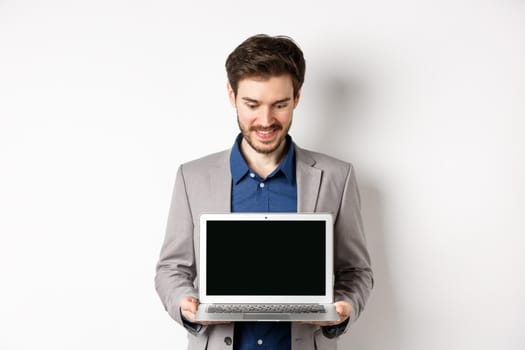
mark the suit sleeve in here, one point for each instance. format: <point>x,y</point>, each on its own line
<point>352,267</point>
<point>176,269</point>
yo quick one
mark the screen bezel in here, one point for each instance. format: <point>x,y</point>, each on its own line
<point>325,299</point>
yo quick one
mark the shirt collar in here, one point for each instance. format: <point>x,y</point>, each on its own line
<point>239,168</point>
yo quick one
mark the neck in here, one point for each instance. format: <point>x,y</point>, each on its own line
<point>263,163</point>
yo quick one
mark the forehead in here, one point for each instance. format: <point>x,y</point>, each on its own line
<point>266,88</point>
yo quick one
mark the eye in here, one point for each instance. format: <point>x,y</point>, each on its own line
<point>281,105</point>
<point>251,105</point>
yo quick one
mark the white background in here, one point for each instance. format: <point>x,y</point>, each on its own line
<point>101,100</point>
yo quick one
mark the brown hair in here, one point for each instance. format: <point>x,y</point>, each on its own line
<point>266,56</point>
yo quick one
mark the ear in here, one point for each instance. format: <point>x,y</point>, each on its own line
<point>231,94</point>
<point>296,99</point>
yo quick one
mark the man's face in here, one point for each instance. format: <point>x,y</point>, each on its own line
<point>264,110</point>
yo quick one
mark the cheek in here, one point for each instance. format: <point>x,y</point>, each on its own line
<point>251,113</point>
<point>284,116</point>
<point>246,116</point>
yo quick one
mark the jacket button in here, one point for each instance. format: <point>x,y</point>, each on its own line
<point>228,341</point>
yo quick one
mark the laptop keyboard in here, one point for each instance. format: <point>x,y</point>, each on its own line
<point>266,308</point>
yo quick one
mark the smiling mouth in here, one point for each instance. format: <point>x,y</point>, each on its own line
<point>267,129</point>
<point>266,134</point>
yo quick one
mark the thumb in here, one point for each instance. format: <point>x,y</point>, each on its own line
<point>193,305</point>
<point>343,309</point>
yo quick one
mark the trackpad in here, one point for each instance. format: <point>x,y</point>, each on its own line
<point>268,317</point>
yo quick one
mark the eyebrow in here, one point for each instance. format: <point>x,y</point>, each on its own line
<point>247,99</point>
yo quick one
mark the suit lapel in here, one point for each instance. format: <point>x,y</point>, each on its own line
<point>221,185</point>
<point>308,182</point>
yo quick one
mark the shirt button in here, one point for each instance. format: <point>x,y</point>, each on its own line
<point>228,341</point>
<point>259,341</point>
<point>252,175</point>
<point>261,185</point>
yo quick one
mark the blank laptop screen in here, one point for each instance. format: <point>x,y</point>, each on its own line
<point>265,257</point>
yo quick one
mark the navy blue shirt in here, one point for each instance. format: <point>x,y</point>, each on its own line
<point>251,193</point>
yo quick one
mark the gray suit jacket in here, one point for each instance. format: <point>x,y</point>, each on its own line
<point>324,184</point>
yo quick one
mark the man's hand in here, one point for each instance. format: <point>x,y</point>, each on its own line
<point>188,308</point>
<point>343,309</point>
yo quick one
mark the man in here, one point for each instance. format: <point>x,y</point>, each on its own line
<point>264,172</point>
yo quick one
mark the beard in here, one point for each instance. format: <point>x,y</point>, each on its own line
<point>261,146</point>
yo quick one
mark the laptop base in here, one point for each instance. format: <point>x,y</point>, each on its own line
<point>329,315</point>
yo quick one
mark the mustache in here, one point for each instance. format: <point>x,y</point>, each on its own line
<point>272,127</point>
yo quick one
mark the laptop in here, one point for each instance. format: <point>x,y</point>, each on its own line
<point>266,267</point>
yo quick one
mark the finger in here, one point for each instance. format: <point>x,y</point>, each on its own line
<point>190,316</point>
<point>193,305</point>
<point>189,304</point>
<point>343,309</point>
<point>341,312</point>
<point>188,307</point>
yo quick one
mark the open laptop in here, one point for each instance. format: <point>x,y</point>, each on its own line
<point>266,267</point>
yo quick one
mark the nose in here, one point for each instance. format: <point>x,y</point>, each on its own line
<point>266,116</point>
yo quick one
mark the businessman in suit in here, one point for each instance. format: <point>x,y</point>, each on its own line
<point>264,171</point>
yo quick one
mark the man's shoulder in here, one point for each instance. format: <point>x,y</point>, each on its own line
<point>210,161</point>
<point>322,160</point>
